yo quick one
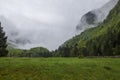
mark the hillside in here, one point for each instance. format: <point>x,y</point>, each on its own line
<point>95,16</point>
<point>103,40</point>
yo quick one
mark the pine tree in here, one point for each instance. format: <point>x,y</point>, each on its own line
<point>3,42</point>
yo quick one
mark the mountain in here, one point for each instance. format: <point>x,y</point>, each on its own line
<point>95,17</point>
<point>103,40</point>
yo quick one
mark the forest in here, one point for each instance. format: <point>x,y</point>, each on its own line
<point>103,40</point>
<point>92,55</point>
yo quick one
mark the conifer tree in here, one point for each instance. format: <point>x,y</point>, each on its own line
<point>3,42</point>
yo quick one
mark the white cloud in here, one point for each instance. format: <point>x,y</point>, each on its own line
<point>46,22</point>
<point>46,17</point>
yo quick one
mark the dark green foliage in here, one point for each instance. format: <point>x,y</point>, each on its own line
<point>13,52</point>
<point>103,40</point>
<point>33,52</point>
<point>3,42</point>
<point>39,52</point>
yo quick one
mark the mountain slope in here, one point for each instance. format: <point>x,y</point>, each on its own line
<point>95,17</point>
<point>103,40</point>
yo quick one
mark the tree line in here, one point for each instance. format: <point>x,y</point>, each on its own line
<point>103,40</point>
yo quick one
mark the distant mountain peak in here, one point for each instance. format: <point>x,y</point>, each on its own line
<point>94,17</point>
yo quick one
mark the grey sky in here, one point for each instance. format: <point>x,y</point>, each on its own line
<point>46,23</point>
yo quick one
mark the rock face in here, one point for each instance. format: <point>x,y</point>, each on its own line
<point>94,17</point>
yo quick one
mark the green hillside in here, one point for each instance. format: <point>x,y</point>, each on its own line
<point>103,40</point>
<point>33,52</point>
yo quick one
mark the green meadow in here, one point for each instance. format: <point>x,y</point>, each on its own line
<point>59,69</point>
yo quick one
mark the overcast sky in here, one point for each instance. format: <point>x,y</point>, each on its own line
<point>46,23</point>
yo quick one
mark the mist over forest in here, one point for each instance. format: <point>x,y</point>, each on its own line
<point>32,23</point>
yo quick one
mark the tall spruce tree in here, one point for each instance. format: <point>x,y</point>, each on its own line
<point>3,42</point>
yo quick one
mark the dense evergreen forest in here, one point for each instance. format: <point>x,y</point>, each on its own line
<point>3,42</point>
<point>103,40</point>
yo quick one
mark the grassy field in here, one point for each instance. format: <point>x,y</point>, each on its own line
<point>59,69</point>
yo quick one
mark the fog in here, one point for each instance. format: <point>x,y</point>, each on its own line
<point>96,15</point>
<point>46,23</point>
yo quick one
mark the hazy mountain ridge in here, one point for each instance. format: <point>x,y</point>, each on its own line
<point>76,38</point>
<point>92,42</point>
<point>103,40</point>
<point>43,22</point>
<point>95,17</point>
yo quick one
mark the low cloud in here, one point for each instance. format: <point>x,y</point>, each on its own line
<point>46,23</point>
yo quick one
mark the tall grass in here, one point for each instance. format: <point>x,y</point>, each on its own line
<point>59,69</point>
